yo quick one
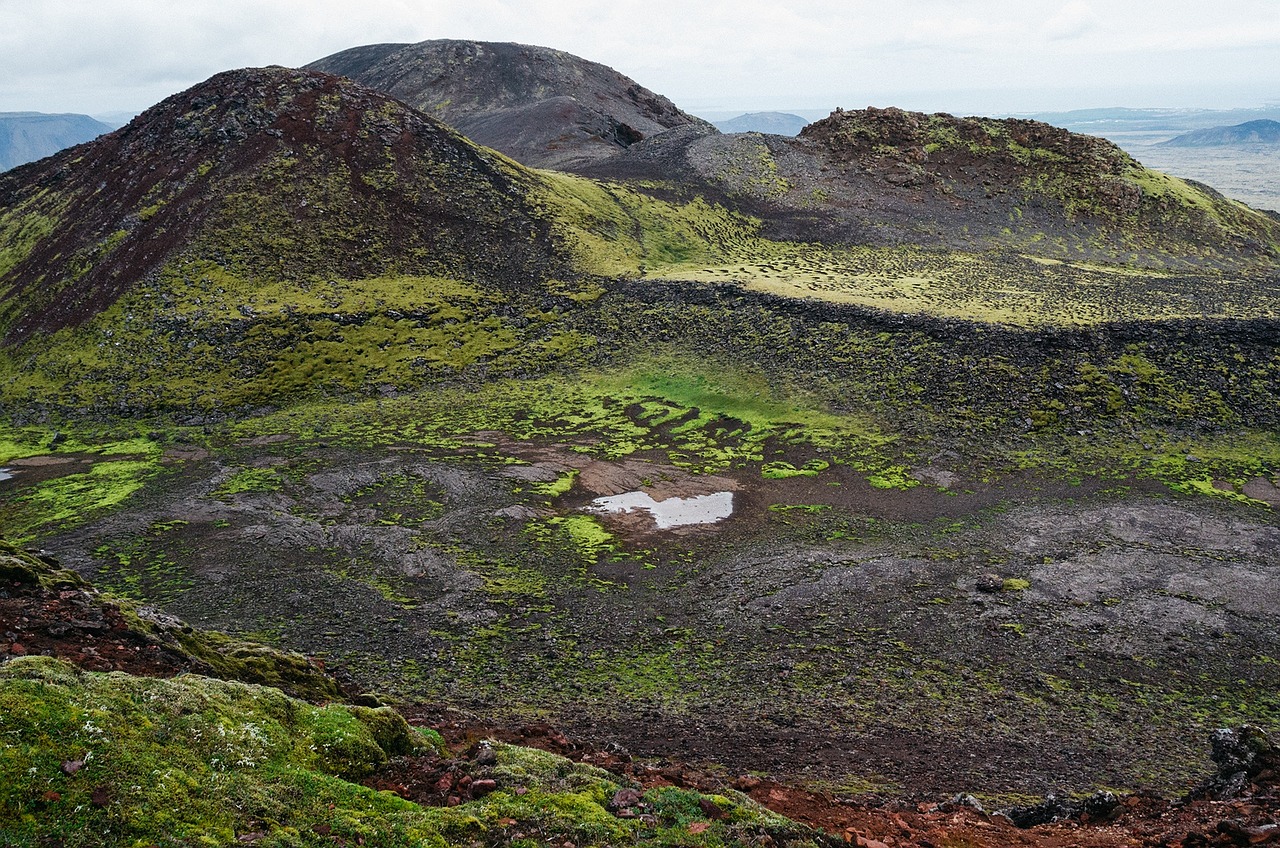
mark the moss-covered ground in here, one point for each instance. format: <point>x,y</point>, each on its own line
<point>114,760</point>
<point>380,533</point>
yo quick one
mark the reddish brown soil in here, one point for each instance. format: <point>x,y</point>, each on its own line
<point>1139,820</point>
<point>72,624</point>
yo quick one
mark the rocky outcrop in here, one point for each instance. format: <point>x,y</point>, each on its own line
<point>1247,759</point>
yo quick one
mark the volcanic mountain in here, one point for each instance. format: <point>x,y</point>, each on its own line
<point>543,107</point>
<point>875,176</point>
<point>290,230</point>
<point>258,175</point>
<point>890,177</point>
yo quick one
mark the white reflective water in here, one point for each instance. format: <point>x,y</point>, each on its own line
<point>672,512</point>
<point>5,475</point>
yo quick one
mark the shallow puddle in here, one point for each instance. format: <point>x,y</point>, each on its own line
<point>5,475</point>
<point>672,512</point>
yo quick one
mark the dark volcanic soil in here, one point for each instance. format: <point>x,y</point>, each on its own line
<point>1020,639</point>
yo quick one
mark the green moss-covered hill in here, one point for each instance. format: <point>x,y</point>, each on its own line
<point>1038,177</point>
<point>274,233</point>
<point>889,177</point>
<point>253,177</point>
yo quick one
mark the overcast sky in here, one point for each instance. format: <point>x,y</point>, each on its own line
<point>964,56</point>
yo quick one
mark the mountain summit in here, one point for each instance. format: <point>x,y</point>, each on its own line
<point>543,107</point>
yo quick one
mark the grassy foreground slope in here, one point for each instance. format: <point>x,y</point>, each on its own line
<point>94,759</point>
<point>98,759</point>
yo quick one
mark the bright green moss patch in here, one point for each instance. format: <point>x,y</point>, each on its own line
<point>197,761</point>
<point>560,486</point>
<point>251,480</point>
<point>784,470</point>
<point>892,477</point>
<point>73,499</point>
<point>615,230</point>
<point>89,485</point>
<point>584,534</point>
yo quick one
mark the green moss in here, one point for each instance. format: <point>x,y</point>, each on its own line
<point>250,480</point>
<point>19,234</point>
<point>73,499</point>
<point>236,659</point>
<point>177,760</point>
<point>615,230</point>
<point>586,535</point>
<point>197,761</point>
<point>892,477</point>
<point>784,470</point>
<point>560,486</point>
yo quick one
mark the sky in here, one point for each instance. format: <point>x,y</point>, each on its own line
<point>712,57</point>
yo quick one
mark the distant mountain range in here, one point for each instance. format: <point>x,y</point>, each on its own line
<point>1123,120</point>
<point>1250,132</point>
<point>28,136</point>
<point>774,123</point>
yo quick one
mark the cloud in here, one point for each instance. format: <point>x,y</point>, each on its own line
<point>960,33</point>
<point>99,55</point>
<point>1071,21</point>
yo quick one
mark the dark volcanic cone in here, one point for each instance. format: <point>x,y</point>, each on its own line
<point>543,107</point>
<point>271,174</point>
